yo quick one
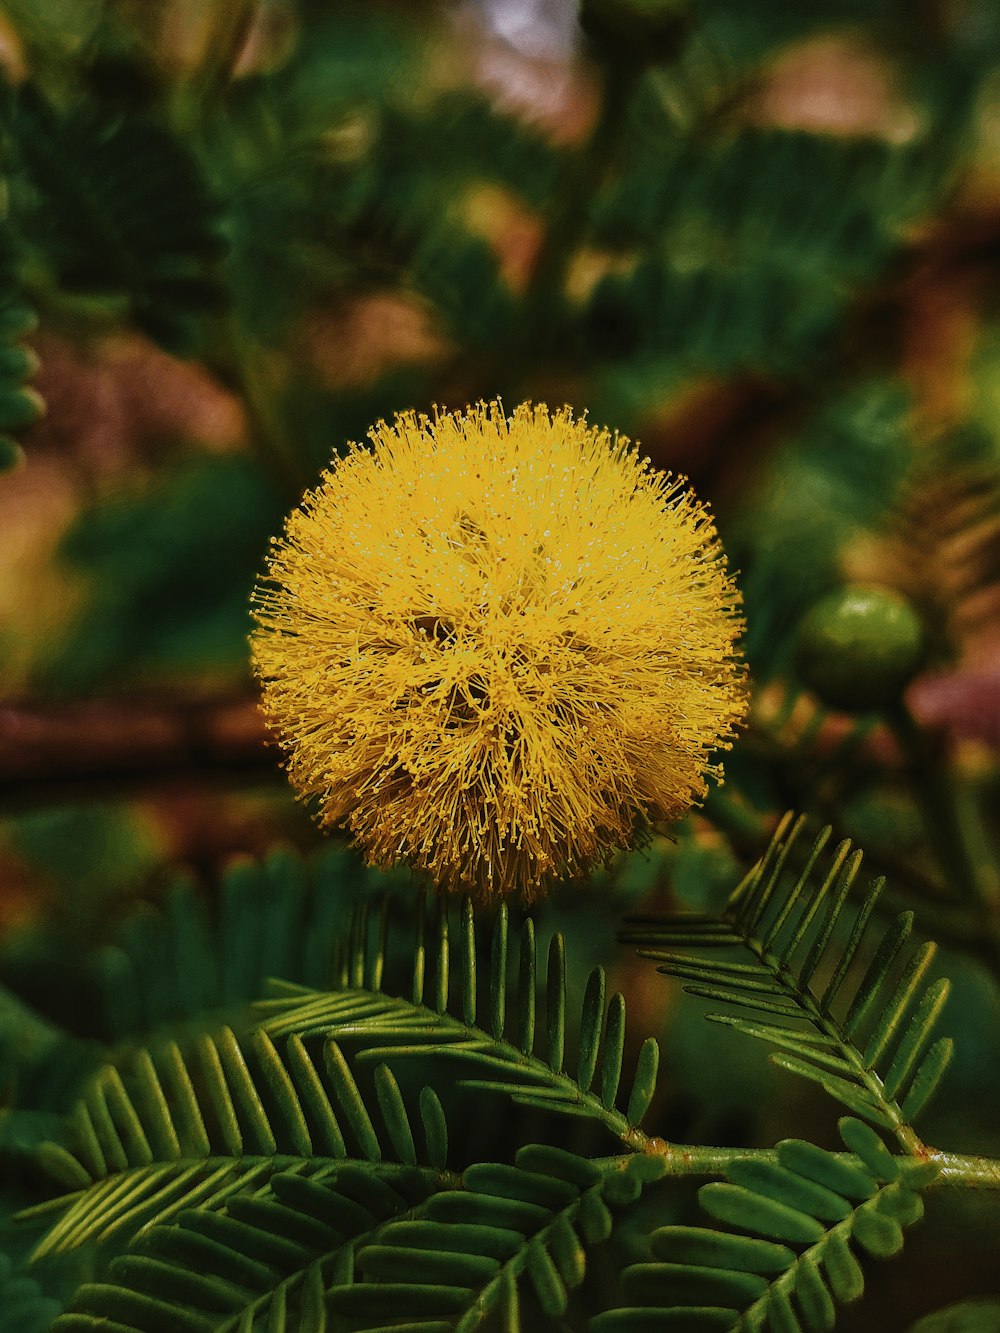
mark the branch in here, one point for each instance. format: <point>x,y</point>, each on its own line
<point>74,749</point>
<point>685,1159</point>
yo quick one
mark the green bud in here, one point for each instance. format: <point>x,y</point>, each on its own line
<point>859,647</point>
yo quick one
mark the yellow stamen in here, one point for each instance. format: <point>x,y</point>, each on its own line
<point>498,648</point>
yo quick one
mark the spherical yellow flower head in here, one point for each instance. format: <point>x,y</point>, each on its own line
<point>497,649</point>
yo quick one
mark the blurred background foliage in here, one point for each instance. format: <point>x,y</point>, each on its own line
<point>761,238</point>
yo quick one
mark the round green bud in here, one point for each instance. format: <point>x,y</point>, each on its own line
<point>859,647</point>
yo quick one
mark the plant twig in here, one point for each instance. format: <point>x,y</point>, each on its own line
<point>96,744</point>
<point>245,366</point>
<point>569,221</point>
<point>946,825</point>
<point>686,1159</point>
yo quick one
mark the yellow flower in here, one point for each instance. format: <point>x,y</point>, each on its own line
<point>498,649</point>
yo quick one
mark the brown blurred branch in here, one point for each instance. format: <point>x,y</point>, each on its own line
<point>95,745</point>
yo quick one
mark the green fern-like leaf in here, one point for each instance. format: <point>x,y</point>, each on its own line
<point>858,1023</point>
<point>172,1133</point>
<point>375,1250</point>
<point>269,1255</point>
<point>123,211</point>
<point>179,961</point>
<point>804,1226</point>
<point>42,1068</point>
<point>512,1236</point>
<point>253,1186</point>
<point>766,284</point>
<point>437,1015</point>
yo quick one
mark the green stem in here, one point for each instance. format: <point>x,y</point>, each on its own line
<point>691,1159</point>
<point>231,28</point>
<point>244,364</point>
<point>933,793</point>
<point>686,1159</point>
<point>545,296</point>
<point>977,834</point>
<point>973,1172</point>
<point>950,829</point>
